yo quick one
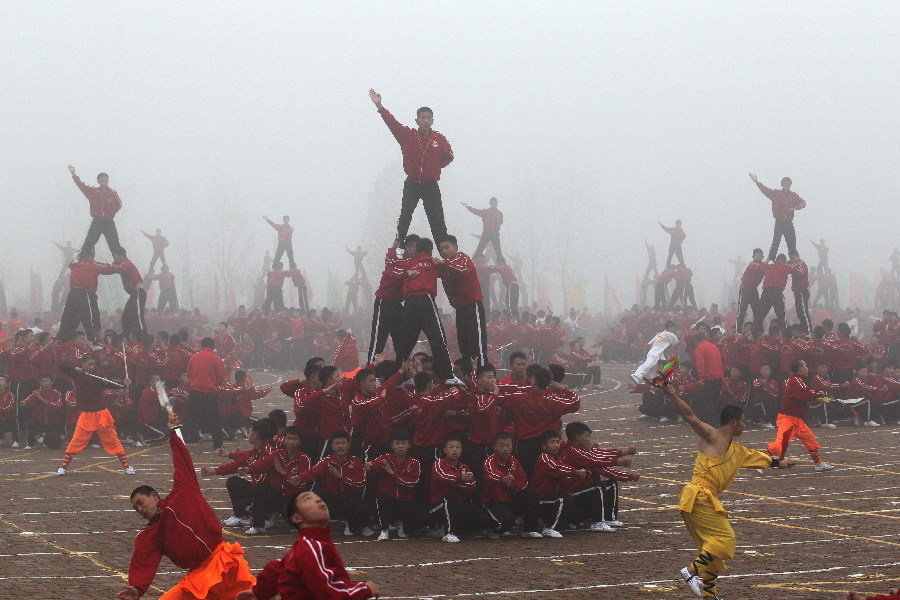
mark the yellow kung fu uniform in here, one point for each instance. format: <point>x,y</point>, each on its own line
<point>703,513</point>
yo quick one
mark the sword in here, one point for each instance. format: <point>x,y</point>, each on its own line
<point>166,404</point>
<point>104,380</point>
<point>125,359</point>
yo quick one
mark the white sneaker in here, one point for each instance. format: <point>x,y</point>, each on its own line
<point>347,531</point>
<point>235,521</point>
<point>129,470</point>
<point>60,471</point>
<point>15,446</point>
<point>602,526</point>
<point>138,444</point>
<point>401,531</point>
<point>255,531</point>
<point>32,447</point>
<point>829,425</point>
<point>552,533</point>
<point>664,419</point>
<point>770,426</point>
<point>824,466</point>
<point>450,538</point>
<point>635,378</point>
<point>455,381</point>
<point>384,536</point>
<point>366,531</point>
<point>493,535</point>
<point>693,581</point>
<point>616,523</point>
<point>867,424</point>
<point>40,440</point>
<point>95,445</point>
<point>532,534</point>
<point>270,522</point>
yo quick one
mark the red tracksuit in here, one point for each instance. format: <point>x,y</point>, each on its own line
<point>105,203</point>
<point>423,157</point>
<point>426,280</point>
<point>402,484</point>
<point>553,476</point>
<point>298,467</point>
<point>351,482</point>
<point>390,287</point>
<point>494,470</point>
<point>446,480</point>
<point>460,280</point>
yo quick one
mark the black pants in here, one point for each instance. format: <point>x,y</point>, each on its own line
<point>676,250</point>
<point>389,509</point>
<point>524,503</point>
<point>348,508</point>
<point>203,412</point>
<point>106,227</point>
<point>489,236</point>
<point>420,314</point>
<point>385,322</point>
<point>590,501</point>
<point>458,516</point>
<point>351,299</point>
<point>710,402</point>
<point>659,301</point>
<point>748,296</point>
<point>258,501</point>
<point>302,297</point>
<point>471,331</point>
<point>801,305</point>
<point>560,510</point>
<point>688,295</point>
<point>677,295</point>
<point>769,299</point>
<point>527,451</point>
<point>285,248</point>
<point>785,229</point>
<point>80,309</point>
<point>159,255</point>
<point>512,299</point>
<point>656,406</point>
<point>25,425</point>
<point>168,298</point>
<point>430,194</point>
<point>274,295</point>
<point>133,313</point>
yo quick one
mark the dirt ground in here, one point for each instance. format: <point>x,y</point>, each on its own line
<point>800,534</point>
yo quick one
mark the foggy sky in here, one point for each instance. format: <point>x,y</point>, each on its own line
<point>596,118</point>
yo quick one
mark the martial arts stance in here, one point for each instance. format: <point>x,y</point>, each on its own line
<point>784,203</point>
<point>105,203</point>
<point>184,527</point>
<point>717,464</point>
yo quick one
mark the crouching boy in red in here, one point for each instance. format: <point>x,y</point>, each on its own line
<point>398,476</point>
<point>506,495</point>
<point>312,568</point>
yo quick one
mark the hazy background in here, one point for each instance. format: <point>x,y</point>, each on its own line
<point>589,121</point>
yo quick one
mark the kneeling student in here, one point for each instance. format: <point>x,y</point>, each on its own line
<point>398,476</point>
<point>506,494</point>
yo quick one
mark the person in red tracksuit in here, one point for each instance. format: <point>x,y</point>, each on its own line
<point>331,402</point>
<point>159,243</point>
<point>168,296</point>
<point>748,293</point>
<point>784,203</point>
<point>306,418</point>
<point>285,240</point>
<point>284,469</point>
<point>340,481</point>
<point>800,287</point>
<point>46,405</point>
<point>388,307</point>
<point>346,354</point>
<point>774,282</point>
<point>183,527</point>
<point>451,494</point>
<point>312,568</point>
<point>734,388</point>
<point>765,397</point>
<point>420,313</point>
<point>425,153</point>
<point>274,286</point>
<point>398,475</point>
<point>491,220</point>
<point>81,303</point>
<point>132,282</point>
<point>676,238</point>
<point>859,388</point>
<point>369,418</point>
<point>508,277</point>
<point>554,480</point>
<point>105,203</point>
<point>457,271</point>
<point>505,494</point>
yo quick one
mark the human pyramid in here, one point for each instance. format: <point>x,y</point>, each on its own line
<point>421,445</point>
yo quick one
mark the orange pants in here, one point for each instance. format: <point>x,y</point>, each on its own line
<point>788,428</point>
<point>222,576</point>
<point>86,428</point>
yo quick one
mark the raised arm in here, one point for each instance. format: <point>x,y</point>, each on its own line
<point>706,432</point>
<point>185,476</point>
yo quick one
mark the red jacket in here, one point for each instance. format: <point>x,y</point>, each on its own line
<point>487,417</point>
<point>753,274</point>
<point>424,283</point>
<point>45,405</point>
<point>796,397</point>
<point>494,470</point>
<point>104,203</point>
<point>306,418</point>
<point>346,355</point>
<point>423,157</point>
<point>276,278</point>
<point>333,409</point>
<point>734,391</point>
<point>553,476</point>
<point>130,275</point>
<point>312,569</point>
<point>799,276</point>
<point>460,280</point>
<point>402,484</point>
<point>709,361</point>
<point>507,275</point>
<point>85,273</point>
<point>349,485</point>
<point>600,461</point>
<point>299,467</point>
<point>7,404</point>
<point>391,286</point>
<point>446,480</point>
<point>676,234</point>
<point>245,458</point>
<point>187,529</point>
<point>166,280</point>
<point>20,365</point>
<point>285,232</point>
<point>536,411</point>
<point>431,427</point>
<point>491,218</point>
<point>371,422</point>
<point>783,205</point>
<point>764,390</point>
<point>206,371</point>
<point>776,275</point>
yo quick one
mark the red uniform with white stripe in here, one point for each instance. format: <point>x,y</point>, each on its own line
<point>446,480</point>
<point>460,280</point>
<point>494,470</point>
<point>402,484</point>
<point>352,478</point>
<point>105,203</point>
<point>187,529</point>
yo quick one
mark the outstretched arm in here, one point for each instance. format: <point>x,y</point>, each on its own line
<point>376,98</point>
<point>706,432</point>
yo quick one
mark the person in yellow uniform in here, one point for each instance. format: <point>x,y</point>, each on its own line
<point>718,461</point>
